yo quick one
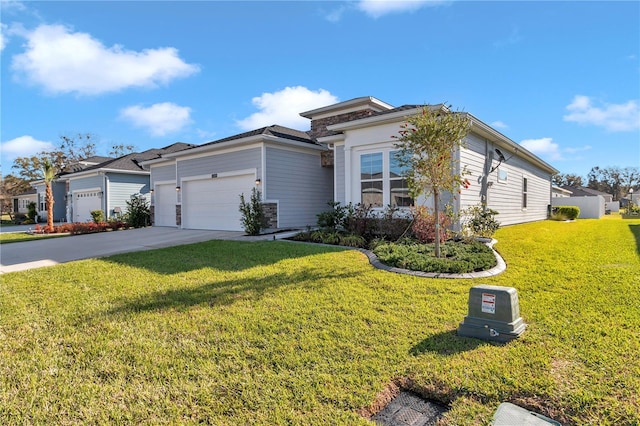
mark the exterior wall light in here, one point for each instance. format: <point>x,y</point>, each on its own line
<point>258,181</point>
<point>177,189</point>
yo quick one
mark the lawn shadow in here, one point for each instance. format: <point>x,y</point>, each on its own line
<point>635,230</point>
<point>226,292</point>
<point>217,254</point>
<point>446,343</point>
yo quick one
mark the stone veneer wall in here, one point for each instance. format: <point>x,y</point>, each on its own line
<point>152,209</point>
<point>319,126</point>
<point>178,214</point>
<point>270,215</point>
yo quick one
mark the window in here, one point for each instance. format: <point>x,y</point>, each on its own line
<point>524,193</point>
<point>398,188</point>
<point>382,182</point>
<point>371,179</point>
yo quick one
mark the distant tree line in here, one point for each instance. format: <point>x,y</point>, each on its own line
<point>611,180</point>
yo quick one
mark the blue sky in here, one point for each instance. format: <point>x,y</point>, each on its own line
<point>560,78</point>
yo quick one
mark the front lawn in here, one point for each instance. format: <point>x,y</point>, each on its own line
<point>16,237</point>
<point>268,333</point>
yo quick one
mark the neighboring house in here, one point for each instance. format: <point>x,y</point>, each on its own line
<point>21,201</point>
<point>199,188</point>
<point>108,186</point>
<point>347,156</point>
<point>503,175</point>
<point>59,189</point>
<point>558,192</point>
<point>592,203</point>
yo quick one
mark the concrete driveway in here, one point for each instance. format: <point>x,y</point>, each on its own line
<point>47,252</point>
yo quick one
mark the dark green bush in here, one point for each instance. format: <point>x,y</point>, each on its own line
<point>566,212</point>
<point>31,211</point>
<point>457,257</point>
<point>480,222</point>
<point>138,214</point>
<point>333,219</point>
<point>253,219</point>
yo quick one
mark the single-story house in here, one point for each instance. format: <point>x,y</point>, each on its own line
<point>347,156</point>
<point>59,190</point>
<point>21,201</point>
<point>200,187</point>
<point>503,175</point>
<point>108,186</point>
<point>593,204</point>
<point>558,192</point>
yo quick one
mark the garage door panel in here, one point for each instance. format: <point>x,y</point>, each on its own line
<point>214,203</point>
<point>84,203</point>
<point>165,205</point>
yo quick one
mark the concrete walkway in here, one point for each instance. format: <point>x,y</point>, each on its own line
<point>21,256</point>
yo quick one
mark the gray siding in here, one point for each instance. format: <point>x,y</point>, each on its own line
<point>122,187</point>
<point>505,197</point>
<point>338,164</point>
<point>218,163</point>
<point>163,173</point>
<point>86,183</point>
<point>300,185</point>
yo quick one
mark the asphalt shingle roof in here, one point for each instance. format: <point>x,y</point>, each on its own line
<point>273,130</point>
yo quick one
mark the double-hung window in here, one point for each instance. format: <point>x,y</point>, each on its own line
<point>524,193</point>
<point>371,179</point>
<point>398,188</point>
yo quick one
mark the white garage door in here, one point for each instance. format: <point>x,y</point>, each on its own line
<point>84,203</point>
<point>214,203</point>
<point>164,209</point>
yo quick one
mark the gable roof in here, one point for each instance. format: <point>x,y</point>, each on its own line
<point>582,191</point>
<point>131,162</point>
<point>273,130</point>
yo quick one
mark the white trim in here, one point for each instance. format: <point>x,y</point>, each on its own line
<point>263,167</point>
<point>219,151</point>
<point>253,171</point>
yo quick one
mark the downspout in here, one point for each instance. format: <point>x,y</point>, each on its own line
<point>105,196</point>
<point>484,184</point>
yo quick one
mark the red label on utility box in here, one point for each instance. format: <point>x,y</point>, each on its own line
<point>488,303</point>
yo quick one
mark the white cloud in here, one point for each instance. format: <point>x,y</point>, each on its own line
<point>23,146</point>
<point>378,8</point>
<point>543,147</point>
<point>62,61</point>
<point>284,108</point>
<point>499,125</point>
<point>158,119</point>
<point>335,15</point>
<point>613,117</point>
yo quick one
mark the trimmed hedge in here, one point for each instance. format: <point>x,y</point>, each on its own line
<point>566,212</point>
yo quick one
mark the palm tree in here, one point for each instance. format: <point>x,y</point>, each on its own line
<point>49,175</point>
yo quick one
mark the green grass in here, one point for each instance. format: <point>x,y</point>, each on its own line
<point>16,237</point>
<point>268,333</point>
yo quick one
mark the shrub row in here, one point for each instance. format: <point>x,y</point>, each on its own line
<point>83,227</point>
<point>565,212</point>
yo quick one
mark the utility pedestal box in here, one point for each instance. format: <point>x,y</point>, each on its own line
<point>494,314</point>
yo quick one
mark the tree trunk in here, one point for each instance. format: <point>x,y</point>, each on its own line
<point>436,217</point>
<point>49,202</point>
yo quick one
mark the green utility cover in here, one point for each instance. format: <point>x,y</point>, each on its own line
<point>494,314</point>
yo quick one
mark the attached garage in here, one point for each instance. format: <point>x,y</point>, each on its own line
<point>165,205</point>
<point>213,202</point>
<point>84,202</point>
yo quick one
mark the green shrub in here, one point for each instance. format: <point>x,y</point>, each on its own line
<point>138,214</point>
<point>97,215</point>
<point>480,221</point>
<point>253,218</point>
<point>565,212</point>
<point>457,257</point>
<point>334,218</point>
<point>352,240</point>
<point>31,211</point>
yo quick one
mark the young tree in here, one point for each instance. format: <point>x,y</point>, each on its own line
<point>567,179</point>
<point>49,175</point>
<point>428,143</point>
<point>10,186</point>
